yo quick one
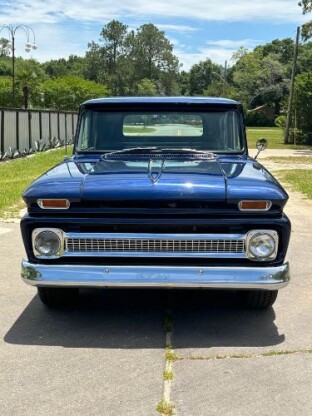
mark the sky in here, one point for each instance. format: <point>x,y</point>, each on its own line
<point>198,29</point>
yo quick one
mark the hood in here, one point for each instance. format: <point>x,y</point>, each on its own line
<point>62,181</point>
<point>134,183</point>
<point>156,180</point>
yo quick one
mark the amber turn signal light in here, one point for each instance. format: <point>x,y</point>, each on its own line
<point>254,205</point>
<point>53,203</point>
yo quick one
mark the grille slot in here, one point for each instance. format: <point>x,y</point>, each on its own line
<point>164,245</point>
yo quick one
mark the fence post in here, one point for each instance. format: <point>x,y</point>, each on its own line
<point>50,128</point>
<point>17,129</point>
<point>58,125</point>
<point>29,128</point>
<point>40,124</point>
<point>73,124</point>
<point>65,134</point>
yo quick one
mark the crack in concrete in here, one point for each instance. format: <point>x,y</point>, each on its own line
<point>272,353</point>
<point>165,406</point>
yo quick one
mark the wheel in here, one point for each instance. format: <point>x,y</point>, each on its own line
<point>58,297</point>
<point>259,299</point>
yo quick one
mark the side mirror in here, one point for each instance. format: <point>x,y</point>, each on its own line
<point>261,145</point>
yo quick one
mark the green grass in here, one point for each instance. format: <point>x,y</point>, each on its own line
<point>291,160</point>
<point>16,175</point>
<point>168,375</point>
<point>299,179</point>
<point>171,355</point>
<point>137,129</point>
<point>165,408</point>
<point>274,135</point>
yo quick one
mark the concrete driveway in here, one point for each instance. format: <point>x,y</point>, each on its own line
<point>238,362</point>
<point>108,357</point>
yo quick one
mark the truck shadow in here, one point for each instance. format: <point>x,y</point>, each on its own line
<point>134,319</point>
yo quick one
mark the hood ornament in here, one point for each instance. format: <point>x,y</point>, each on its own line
<point>155,176</point>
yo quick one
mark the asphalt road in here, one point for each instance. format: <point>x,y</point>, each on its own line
<point>108,357</point>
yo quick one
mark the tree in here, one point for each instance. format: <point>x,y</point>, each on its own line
<point>304,61</point>
<point>281,48</point>
<point>306,31</point>
<point>153,55</point>
<point>202,75</point>
<point>5,66</point>
<point>29,78</point>
<point>4,51</point>
<point>260,79</point>
<point>122,59</point>
<point>55,68</point>
<point>306,5</point>
<point>107,61</point>
<point>114,35</point>
<point>147,87</point>
<point>303,105</point>
<point>67,93</point>
<point>74,65</point>
<point>246,75</point>
<point>94,63</point>
<point>183,80</point>
<point>6,92</point>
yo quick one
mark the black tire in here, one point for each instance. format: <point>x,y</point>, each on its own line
<point>259,299</point>
<point>54,297</point>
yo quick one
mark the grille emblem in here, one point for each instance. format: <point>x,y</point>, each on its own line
<point>155,176</point>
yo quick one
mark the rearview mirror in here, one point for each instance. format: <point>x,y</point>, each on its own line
<point>261,145</point>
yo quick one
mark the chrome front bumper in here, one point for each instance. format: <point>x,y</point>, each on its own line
<point>267,278</point>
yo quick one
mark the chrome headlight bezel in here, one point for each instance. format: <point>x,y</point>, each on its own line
<point>250,237</point>
<point>58,234</point>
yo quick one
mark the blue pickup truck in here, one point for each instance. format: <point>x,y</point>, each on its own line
<point>160,193</point>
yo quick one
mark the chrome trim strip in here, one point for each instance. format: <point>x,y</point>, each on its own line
<point>131,238</point>
<point>266,278</point>
<point>141,236</point>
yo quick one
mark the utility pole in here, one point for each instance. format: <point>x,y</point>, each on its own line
<point>224,79</point>
<point>291,90</point>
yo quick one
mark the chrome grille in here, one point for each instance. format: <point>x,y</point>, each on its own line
<point>206,246</point>
<point>157,245</point>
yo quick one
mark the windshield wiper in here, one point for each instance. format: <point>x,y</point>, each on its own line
<point>185,150</point>
<point>130,150</point>
<point>158,153</point>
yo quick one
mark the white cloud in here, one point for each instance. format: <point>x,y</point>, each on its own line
<point>53,11</point>
<point>177,28</point>
<point>218,51</point>
<point>234,44</point>
<point>65,27</point>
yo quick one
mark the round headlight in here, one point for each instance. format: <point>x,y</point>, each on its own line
<point>262,245</point>
<point>47,243</point>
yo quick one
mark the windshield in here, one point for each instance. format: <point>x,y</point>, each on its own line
<point>106,131</point>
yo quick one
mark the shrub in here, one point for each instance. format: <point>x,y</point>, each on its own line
<point>256,119</point>
<point>280,121</point>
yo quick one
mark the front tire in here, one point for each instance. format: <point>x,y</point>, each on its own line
<point>54,297</point>
<point>259,299</point>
